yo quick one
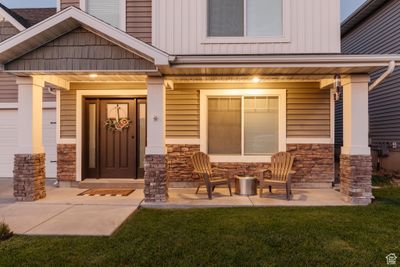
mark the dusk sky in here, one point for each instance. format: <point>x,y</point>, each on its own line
<point>348,6</point>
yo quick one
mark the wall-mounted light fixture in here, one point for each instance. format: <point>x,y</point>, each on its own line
<point>256,80</point>
<point>338,87</point>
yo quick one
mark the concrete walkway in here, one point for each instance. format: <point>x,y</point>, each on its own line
<point>62,212</point>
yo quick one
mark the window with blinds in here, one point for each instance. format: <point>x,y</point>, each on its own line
<point>107,10</point>
<point>243,125</point>
<point>241,18</point>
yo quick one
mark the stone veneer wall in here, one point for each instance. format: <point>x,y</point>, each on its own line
<point>179,164</point>
<point>66,162</point>
<point>155,178</point>
<point>355,179</point>
<point>314,164</point>
<point>29,177</point>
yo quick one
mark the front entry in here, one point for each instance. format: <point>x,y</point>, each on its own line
<point>114,138</point>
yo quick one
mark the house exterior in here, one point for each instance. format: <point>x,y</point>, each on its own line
<point>13,21</point>
<point>142,85</point>
<point>373,29</point>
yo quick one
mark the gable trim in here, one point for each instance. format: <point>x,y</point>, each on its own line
<point>11,19</point>
<point>102,29</point>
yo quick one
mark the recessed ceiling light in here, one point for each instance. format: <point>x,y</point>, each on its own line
<point>93,75</point>
<point>256,80</point>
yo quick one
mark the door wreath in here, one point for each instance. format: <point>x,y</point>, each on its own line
<point>119,122</point>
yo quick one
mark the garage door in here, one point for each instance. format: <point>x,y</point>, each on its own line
<point>8,141</point>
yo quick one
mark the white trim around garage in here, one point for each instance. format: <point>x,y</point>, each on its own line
<point>79,97</point>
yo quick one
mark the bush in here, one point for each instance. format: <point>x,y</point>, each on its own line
<point>5,232</point>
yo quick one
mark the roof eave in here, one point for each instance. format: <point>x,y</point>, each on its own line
<point>286,61</point>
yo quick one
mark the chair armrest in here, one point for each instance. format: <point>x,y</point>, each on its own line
<point>262,170</point>
<point>292,172</point>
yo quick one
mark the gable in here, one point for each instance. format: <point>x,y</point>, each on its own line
<point>80,50</point>
<point>7,30</point>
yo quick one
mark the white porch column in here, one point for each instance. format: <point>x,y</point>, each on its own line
<point>155,167</point>
<point>29,160</point>
<point>355,160</point>
<point>155,116</point>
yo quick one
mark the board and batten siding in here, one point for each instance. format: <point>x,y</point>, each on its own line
<point>308,109</point>
<point>379,34</point>
<point>179,27</point>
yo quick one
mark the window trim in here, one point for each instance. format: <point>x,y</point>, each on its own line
<point>122,22</point>
<point>204,94</point>
<point>285,38</point>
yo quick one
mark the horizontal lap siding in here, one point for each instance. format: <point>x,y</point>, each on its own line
<point>68,114</point>
<point>379,34</point>
<point>308,113</point>
<point>68,3</point>
<point>183,114</point>
<point>8,88</point>
<point>138,19</point>
<point>80,50</point>
<point>308,109</point>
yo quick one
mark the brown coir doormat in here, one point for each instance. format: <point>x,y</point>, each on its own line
<point>107,192</point>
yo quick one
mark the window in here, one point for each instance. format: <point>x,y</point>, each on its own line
<point>243,125</point>
<point>107,10</point>
<point>245,18</point>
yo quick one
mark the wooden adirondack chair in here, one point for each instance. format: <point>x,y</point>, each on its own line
<point>281,165</point>
<point>202,167</point>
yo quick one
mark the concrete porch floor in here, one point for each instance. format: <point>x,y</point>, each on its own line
<point>186,198</point>
<point>62,212</point>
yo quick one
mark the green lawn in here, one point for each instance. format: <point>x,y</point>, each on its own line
<point>332,236</point>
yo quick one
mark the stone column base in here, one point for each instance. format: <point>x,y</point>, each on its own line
<point>355,179</point>
<point>29,177</point>
<point>155,178</point>
<point>66,163</point>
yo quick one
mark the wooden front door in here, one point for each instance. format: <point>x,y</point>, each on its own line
<point>110,143</point>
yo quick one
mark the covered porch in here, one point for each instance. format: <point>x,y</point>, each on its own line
<point>83,59</point>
